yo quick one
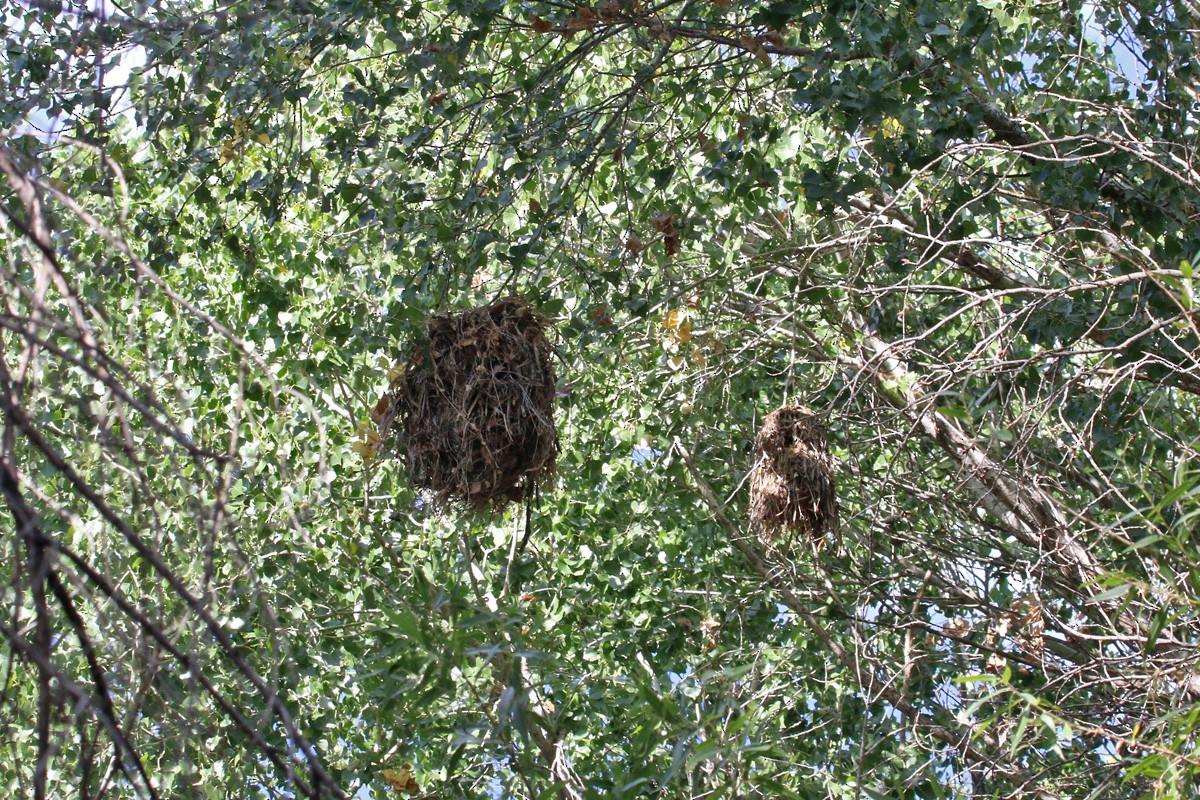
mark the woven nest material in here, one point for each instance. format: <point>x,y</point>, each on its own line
<point>792,487</point>
<point>475,406</point>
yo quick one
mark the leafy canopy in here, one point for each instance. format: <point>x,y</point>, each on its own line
<point>961,232</point>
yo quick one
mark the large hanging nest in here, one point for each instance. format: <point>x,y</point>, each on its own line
<point>791,486</point>
<point>475,406</point>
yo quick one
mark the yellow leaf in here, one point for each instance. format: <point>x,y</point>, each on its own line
<point>402,779</point>
<point>679,325</point>
<point>262,138</point>
<point>674,319</point>
<point>891,127</point>
<point>364,449</point>
<point>684,333</point>
<point>369,443</point>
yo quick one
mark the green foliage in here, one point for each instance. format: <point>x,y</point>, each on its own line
<point>962,232</point>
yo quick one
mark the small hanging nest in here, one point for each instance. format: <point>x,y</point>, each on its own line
<point>475,406</point>
<point>791,486</point>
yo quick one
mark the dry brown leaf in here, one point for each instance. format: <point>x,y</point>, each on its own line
<point>664,222</point>
<point>673,244</point>
<point>381,409</point>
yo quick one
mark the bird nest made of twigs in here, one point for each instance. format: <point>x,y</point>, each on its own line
<point>791,486</point>
<point>474,406</point>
